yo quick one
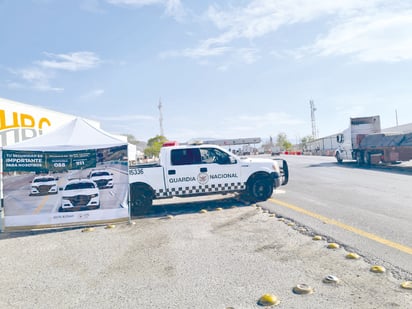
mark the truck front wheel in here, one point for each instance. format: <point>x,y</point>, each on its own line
<point>141,201</point>
<point>259,189</point>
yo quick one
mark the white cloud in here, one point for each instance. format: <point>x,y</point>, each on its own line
<point>93,94</point>
<point>39,76</point>
<point>172,7</point>
<point>34,78</point>
<point>369,30</point>
<point>381,37</point>
<point>71,62</point>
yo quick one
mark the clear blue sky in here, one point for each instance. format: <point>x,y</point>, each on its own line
<point>223,69</point>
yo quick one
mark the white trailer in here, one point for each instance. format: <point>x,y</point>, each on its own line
<point>349,140</point>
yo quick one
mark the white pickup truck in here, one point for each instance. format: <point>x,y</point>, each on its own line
<point>194,170</point>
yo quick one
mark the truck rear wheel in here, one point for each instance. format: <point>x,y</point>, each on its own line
<point>141,200</point>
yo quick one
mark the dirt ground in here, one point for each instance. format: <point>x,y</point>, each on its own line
<point>225,257</point>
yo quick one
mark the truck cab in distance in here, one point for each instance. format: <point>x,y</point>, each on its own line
<point>193,170</point>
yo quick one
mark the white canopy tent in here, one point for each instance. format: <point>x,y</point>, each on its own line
<point>75,135</point>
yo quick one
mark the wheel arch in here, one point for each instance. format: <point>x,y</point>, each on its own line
<point>259,174</point>
<point>141,186</point>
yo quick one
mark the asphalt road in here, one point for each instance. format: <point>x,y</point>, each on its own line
<point>367,209</point>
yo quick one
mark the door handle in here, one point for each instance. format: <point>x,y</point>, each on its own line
<point>171,172</point>
<point>203,169</point>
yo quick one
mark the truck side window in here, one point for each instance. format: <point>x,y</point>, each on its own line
<point>185,156</point>
<point>213,155</point>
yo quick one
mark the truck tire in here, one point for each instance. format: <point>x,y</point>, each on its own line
<point>359,158</point>
<point>338,157</point>
<point>259,189</point>
<point>141,200</point>
<point>367,158</point>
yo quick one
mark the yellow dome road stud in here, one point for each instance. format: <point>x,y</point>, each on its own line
<point>219,208</point>
<point>331,279</point>
<point>302,289</point>
<point>352,256</point>
<point>272,215</point>
<point>203,211</point>
<point>88,229</point>
<point>377,269</point>
<point>333,245</point>
<point>406,285</point>
<point>317,237</point>
<point>268,300</point>
<point>291,224</point>
<point>110,226</point>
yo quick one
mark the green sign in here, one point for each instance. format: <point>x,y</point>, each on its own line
<point>38,161</point>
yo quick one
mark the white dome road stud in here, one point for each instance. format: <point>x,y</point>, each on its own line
<point>377,269</point>
<point>302,289</point>
<point>331,279</point>
<point>268,300</point>
<point>203,211</point>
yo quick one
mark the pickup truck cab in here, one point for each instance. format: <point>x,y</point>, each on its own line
<point>193,170</point>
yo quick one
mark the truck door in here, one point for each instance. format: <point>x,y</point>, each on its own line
<point>220,170</point>
<point>194,171</point>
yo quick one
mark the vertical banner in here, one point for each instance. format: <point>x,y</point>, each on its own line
<point>52,189</point>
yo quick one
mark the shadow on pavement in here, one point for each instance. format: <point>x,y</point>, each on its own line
<point>187,206</point>
<point>400,168</point>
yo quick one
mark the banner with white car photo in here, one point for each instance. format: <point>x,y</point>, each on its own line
<point>74,175</point>
<point>49,189</point>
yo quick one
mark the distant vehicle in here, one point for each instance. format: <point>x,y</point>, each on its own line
<point>350,139</point>
<point>80,194</point>
<point>42,185</point>
<point>103,178</point>
<point>364,142</point>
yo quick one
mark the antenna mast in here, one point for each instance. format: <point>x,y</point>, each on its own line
<point>312,116</point>
<point>160,117</point>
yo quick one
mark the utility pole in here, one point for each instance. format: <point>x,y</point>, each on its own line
<point>160,117</point>
<point>312,116</point>
<point>396,114</point>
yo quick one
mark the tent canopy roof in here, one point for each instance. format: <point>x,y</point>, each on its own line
<point>75,135</point>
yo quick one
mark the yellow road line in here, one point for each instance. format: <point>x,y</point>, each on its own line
<point>41,205</point>
<point>345,226</point>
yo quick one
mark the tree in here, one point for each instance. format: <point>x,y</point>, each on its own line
<point>131,139</point>
<point>153,146</point>
<point>305,141</point>
<point>283,142</point>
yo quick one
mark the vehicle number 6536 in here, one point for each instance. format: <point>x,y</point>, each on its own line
<point>136,171</point>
